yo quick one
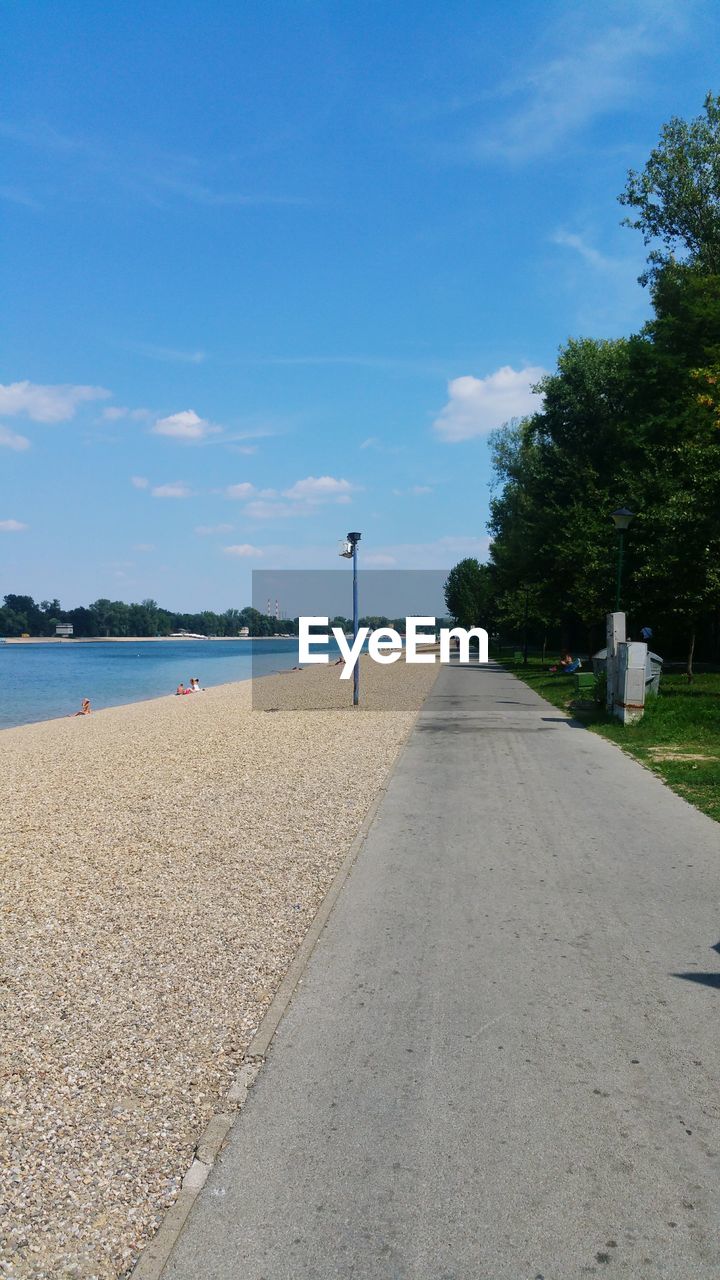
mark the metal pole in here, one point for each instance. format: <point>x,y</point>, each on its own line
<point>525,645</point>
<point>356,668</point>
<point>621,542</point>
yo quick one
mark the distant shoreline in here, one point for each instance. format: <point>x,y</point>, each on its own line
<point>127,639</point>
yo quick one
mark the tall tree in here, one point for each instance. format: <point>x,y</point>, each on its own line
<point>561,473</point>
<point>677,375</point>
<point>469,594</point>
<point>676,197</point>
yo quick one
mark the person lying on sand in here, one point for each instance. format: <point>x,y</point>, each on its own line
<point>85,708</point>
<point>182,690</point>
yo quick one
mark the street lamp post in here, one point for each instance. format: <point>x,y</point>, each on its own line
<point>350,553</point>
<point>621,519</point>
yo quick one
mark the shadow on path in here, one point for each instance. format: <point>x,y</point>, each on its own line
<point>707,979</point>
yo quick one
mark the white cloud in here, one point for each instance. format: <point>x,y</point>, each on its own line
<point>46,403</point>
<point>379,560</point>
<point>176,489</point>
<point>185,425</point>
<point>139,482</point>
<point>206,529</point>
<point>12,526</point>
<point>478,405</point>
<point>379,446</point>
<point>569,240</point>
<point>262,510</point>
<point>301,499</point>
<point>442,553</point>
<point>244,550</point>
<point>240,491</point>
<point>149,176</point>
<point>10,440</point>
<point>597,71</point>
<point>114,413</point>
<point>320,489</point>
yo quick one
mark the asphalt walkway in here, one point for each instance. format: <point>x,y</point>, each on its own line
<point>502,1062</point>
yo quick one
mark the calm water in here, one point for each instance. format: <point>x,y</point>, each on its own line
<point>42,681</point>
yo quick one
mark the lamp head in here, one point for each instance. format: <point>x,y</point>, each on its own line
<point>354,538</point>
<point>622,518</point>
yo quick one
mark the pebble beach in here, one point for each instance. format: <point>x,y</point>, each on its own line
<point>161,863</point>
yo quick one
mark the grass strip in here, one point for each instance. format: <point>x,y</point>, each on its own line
<point>678,737</point>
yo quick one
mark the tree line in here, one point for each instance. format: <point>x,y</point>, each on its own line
<point>21,615</point>
<point>631,422</point>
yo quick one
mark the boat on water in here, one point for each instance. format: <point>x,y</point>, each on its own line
<point>186,635</point>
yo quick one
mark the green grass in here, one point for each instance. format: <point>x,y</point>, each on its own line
<point>678,737</point>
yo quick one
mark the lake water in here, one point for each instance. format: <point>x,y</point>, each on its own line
<point>42,681</point>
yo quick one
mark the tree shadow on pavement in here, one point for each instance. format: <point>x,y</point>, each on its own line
<point>572,724</point>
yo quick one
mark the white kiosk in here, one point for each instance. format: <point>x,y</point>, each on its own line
<point>626,668</point>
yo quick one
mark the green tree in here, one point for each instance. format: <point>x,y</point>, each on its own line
<point>112,617</point>
<point>559,476</point>
<point>677,373</point>
<point>469,594</point>
<point>231,622</point>
<point>676,197</point>
<point>258,624</point>
<point>25,614</point>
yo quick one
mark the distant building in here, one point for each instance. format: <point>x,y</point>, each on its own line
<point>244,631</point>
<point>64,629</point>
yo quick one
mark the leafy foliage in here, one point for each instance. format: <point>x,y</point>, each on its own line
<point>634,422</point>
<point>625,423</point>
<point>469,593</point>
<point>20,615</point>
<point>676,197</point>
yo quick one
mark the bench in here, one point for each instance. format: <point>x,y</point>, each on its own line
<point>585,683</point>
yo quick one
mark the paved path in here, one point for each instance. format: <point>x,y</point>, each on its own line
<point>503,1060</point>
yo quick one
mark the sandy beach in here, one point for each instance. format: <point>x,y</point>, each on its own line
<point>161,864</point>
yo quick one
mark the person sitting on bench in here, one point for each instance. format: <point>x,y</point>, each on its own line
<point>566,666</point>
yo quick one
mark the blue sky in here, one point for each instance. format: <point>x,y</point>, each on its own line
<point>272,271</point>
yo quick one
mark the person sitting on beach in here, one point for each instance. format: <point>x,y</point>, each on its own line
<point>85,708</point>
<point>181,690</point>
<point>195,685</point>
